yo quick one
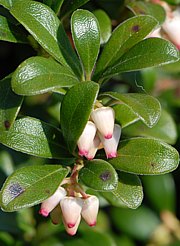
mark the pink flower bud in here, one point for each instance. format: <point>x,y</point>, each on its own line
<point>85,141</point>
<point>72,231</point>
<point>90,210</point>
<point>93,149</point>
<point>71,209</point>
<point>104,120</point>
<point>56,215</point>
<point>50,203</point>
<point>110,145</point>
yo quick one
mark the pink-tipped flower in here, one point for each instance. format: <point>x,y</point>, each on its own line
<point>72,231</point>
<point>56,215</point>
<point>50,203</point>
<point>71,209</point>
<point>172,27</point>
<point>104,120</point>
<point>93,149</point>
<point>90,210</point>
<point>110,145</point>
<point>85,141</point>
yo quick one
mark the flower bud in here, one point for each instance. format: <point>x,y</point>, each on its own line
<point>72,231</point>
<point>56,215</point>
<point>93,149</point>
<point>110,145</point>
<point>104,120</point>
<point>50,203</point>
<point>71,209</point>
<point>85,141</point>
<point>90,210</point>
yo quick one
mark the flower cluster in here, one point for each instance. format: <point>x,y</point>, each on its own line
<point>170,28</point>
<point>70,209</point>
<point>100,132</point>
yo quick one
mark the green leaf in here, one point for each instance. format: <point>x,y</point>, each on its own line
<point>34,137</point>
<point>129,192</point>
<point>45,27</point>
<point>151,52</point>
<point>124,37</point>
<point>6,3</point>
<point>11,33</point>
<point>71,5</point>
<point>31,185</point>
<point>146,107</point>
<point>99,175</point>
<point>145,156</point>
<point>104,25</point>
<point>139,223</point>
<point>164,130</point>
<point>86,36</point>
<point>145,8</point>
<point>160,191</point>
<point>76,108</point>
<point>10,104</point>
<point>38,75</point>
<point>56,5</point>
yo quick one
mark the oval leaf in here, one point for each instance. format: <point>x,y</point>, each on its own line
<point>45,27</point>
<point>6,3</point>
<point>151,52</point>
<point>71,5</point>
<point>31,185</point>
<point>125,36</point>
<point>99,175</point>
<point>34,137</point>
<point>75,111</point>
<point>86,36</point>
<point>129,192</point>
<point>145,156</point>
<point>38,75</point>
<point>146,107</point>
<point>10,104</point>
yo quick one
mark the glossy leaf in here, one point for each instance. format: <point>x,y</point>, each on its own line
<point>34,137</point>
<point>76,108</point>
<point>151,52</point>
<point>145,156</point>
<point>6,3</point>
<point>86,36</point>
<point>164,130</point>
<point>99,175</point>
<point>145,8</point>
<point>124,37</point>
<point>71,5</point>
<point>45,27</point>
<point>38,75</point>
<point>146,107</point>
<point>10,104</point>
<point>10,32</point>
<point>55,5</point>
<point>31,185</point>
<point>129,192</point>
<point>104,25</point>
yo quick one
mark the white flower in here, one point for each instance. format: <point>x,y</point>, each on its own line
<point>71,209</point>
<point>104,120</point>
<point>90,210</point>
<point>110,145</point>
<point>93,149</point>
<point>72,231</point>
<point>85,141</point>
<point>50,203</point>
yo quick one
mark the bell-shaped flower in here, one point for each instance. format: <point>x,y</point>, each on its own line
<point>104,120</point>
<point>71,209</point>
<point>90,210</point>
<point>110,145</point>
<point>86,139</point>
<point>93,149</point>
<point>72,231</point>
<point>56,215</point>
<point>50,203</point>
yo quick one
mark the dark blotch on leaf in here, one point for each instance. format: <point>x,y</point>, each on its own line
<point>7,124</point>
<point>15,189</point>
<point>135,28</point>
<point>47,192</point>
<point>105,176</point>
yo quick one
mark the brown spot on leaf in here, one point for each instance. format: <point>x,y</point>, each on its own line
<point>16,189</point>
<point>105,176</point>
<point>153,165</point>
<point>7,124</point>
<point>47,191</point>
<point>136,28</point>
